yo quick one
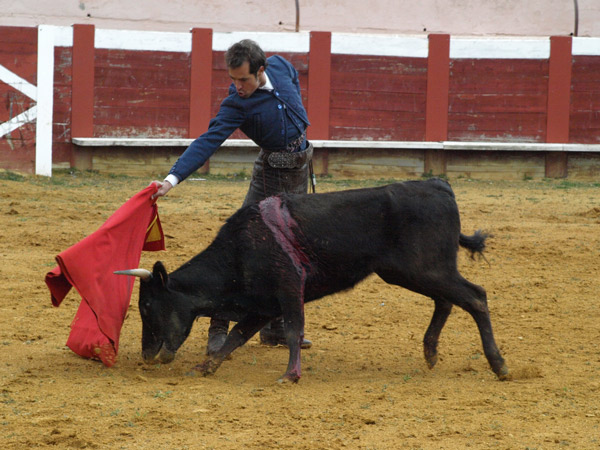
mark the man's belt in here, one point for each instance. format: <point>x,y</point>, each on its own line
<point>296,143</point>
<point>286,160</point>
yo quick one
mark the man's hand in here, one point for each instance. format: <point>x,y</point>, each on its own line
<point>163,188</point>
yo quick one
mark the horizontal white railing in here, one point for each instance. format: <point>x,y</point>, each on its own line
<point>406,145</point>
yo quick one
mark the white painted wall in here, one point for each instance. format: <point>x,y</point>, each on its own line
<point>456,17</point>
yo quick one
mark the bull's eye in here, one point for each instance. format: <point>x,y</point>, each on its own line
<point>145,308</point>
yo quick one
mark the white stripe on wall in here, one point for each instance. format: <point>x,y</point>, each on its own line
<point>268,41</point>
<point>18,121</point>
<point>161,41</point>
<point>499,48</point>
<point>18,83</point>
<point>341,43</point>
<point>63,36</point>
<point>380,44</point>
<point>586,46</point>
<point>45,76</point>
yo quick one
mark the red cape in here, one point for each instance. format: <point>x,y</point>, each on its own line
<point>89,266</point>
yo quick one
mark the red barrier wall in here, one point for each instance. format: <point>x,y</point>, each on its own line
<point>18,53</point>
<point>123,93</point>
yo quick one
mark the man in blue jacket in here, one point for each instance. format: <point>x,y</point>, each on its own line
<point>264,102</point>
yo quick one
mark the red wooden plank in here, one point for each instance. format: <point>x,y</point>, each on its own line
<point>143,59</point>
<point>508,122</point>
<point>496,136</point>
<point>498,99</point>
<point>200,81</point>
<point>497,127</point>
<point>375,119</point>
<point>19,35</point>
<point>476,85</point>
<point>493,77</point>
<point>319,85</point>
<point>382,101</point>
<point>18,51</point>
<point>139,131</point>
<point>340,81</point>
<point>82,118</point>
<point>498,67</point>
<point>438,71</point>
<point>379,98</point>
<point>22,136</point>
<point>143,78</point>
<point>61,151</point>
<point>142,97</point>
<point>63,66</point>
<point>584,123</point>
<point>585,101</point>
<point>143,69</point>
<point>384,65</point>
<point>585,68</point>
<point>585,86</point>
<point>17,149</point>
<point>501,103</point>
<point>376,134</point>
<point>559,88</point>
<point>62,101</point>
<point>299,60</point>
<point>149,117</point>
<point>13,102</point>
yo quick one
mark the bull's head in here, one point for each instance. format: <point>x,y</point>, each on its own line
<point>166,320</point>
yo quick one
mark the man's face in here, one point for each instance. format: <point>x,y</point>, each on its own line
<point>245,83</point>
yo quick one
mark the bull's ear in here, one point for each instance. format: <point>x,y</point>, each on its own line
<point>160,273</point>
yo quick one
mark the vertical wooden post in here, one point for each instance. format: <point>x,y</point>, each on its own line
<point>319,90</point>
<point>82,94</point>
<point>201,84</point>
<point>200,81</point>
<point>319,84</point>
<point>559,103</point>
<point>436,110</point>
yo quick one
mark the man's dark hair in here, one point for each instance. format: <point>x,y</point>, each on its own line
<point>246,50</point>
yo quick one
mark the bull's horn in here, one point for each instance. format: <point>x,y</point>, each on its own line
<point>142,273</point>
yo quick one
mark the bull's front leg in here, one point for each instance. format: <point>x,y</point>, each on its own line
<point>238,336</point>
<point>430,341</point>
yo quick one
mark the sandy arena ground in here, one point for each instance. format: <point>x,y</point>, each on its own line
<point>365,383</point>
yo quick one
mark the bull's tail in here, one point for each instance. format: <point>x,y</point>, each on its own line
<point>474,243</point>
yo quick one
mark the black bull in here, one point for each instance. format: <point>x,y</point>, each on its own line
<point>272,257</point>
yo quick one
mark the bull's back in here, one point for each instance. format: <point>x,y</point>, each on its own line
<point>364,221</point>
<point>350,234</point>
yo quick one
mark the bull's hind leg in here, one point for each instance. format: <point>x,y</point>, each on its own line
<point>448,290</point>
<point>472,298</point>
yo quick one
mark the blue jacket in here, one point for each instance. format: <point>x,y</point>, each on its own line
<point>270,118</point>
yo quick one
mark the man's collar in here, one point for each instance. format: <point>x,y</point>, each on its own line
<point>268,86</point>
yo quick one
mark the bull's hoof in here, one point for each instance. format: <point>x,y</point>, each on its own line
<point>215,342</point>
<point>503,374</point>
<point>289,378</point>
<point>431,358</point>
<point>207,367</point>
